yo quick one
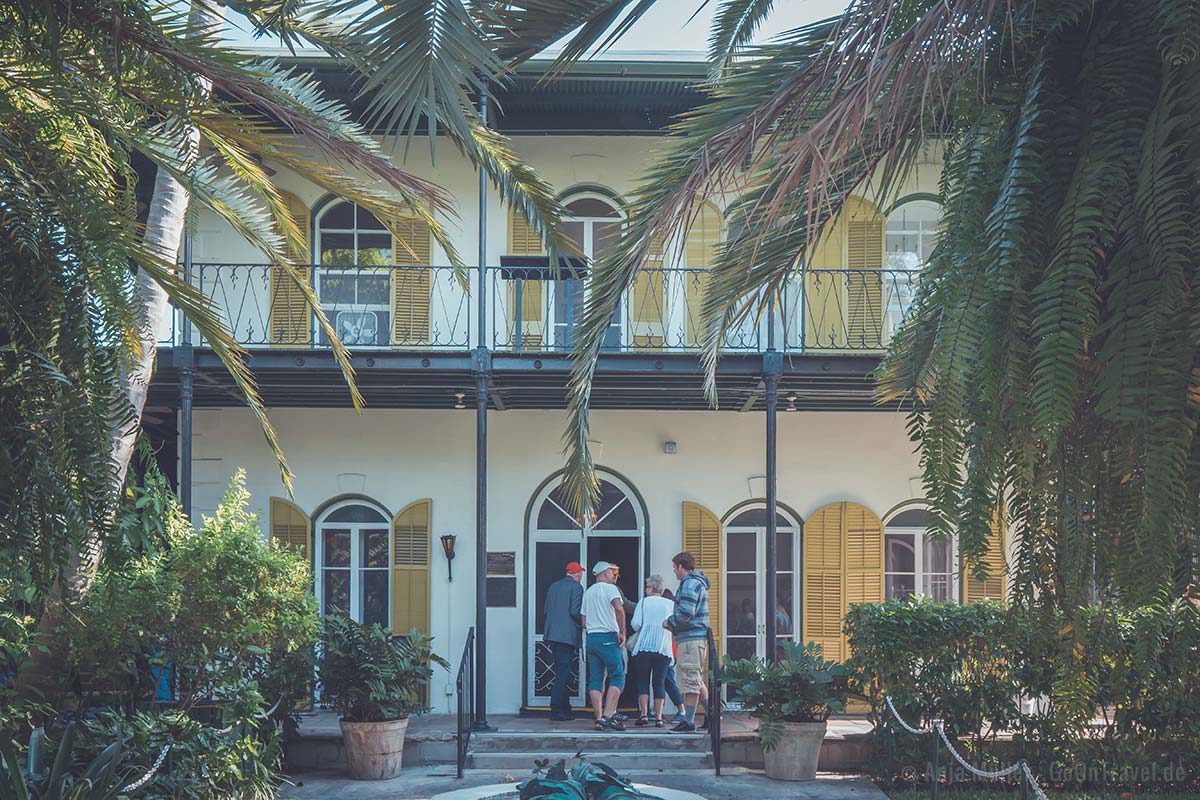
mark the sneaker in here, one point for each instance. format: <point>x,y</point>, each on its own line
<point>619,717</point>
<point>678,718</point>
<point>684,727</point>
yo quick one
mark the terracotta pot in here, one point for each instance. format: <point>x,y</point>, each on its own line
<point>374,750</point>
<point>794,758</point>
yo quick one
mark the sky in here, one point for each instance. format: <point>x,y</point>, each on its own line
<point>666,28</point>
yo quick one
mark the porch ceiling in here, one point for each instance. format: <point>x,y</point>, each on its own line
<point>308,379</point>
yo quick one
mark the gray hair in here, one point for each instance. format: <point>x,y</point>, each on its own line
<point>655,582</point>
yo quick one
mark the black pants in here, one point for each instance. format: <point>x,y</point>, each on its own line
<point>566,658</point>
<point>652,673</point>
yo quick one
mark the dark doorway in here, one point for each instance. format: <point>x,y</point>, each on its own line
<point>625,552</point>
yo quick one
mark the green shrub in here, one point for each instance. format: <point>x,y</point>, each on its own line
<point>368,675</point>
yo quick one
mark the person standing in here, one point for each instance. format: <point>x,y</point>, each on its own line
<point>653,650</point>
<point>672,686</point>
<point>689,623</point>
<point>562,631</point>
<point>604,622</point>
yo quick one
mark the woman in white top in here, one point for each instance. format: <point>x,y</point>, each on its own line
<point>652,652</point>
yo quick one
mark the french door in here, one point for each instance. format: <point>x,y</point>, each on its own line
<point>746,609</point>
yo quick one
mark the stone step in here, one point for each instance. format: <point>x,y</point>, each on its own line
<point>589,741</point>
<point>521,762</point>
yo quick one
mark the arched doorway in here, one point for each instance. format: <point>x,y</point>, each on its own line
<point>744,560</point>
<point>617,534</point>
<point>353,556</point>
<point>593,222</point>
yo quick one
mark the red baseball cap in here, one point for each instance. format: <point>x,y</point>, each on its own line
<point>574,568</point>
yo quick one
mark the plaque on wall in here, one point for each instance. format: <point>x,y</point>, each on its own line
<point>501,563</point>
<point>502,579</point>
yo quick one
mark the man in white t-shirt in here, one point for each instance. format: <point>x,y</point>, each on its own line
<point>604,622</point>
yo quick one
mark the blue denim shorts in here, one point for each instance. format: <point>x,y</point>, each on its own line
<point>604,656</point>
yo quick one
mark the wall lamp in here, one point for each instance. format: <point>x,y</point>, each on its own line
<point>448,549</point>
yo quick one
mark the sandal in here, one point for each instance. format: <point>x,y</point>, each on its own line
<point>658,723</point>
<point>600,724</point>
<point>612,723</point>
<point>642,722</point>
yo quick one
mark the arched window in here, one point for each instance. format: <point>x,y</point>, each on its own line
<point>917,561</point>
<point>593,222</point>
<point>353,547</point>
<point>354,281</point>
<point>745,609</point>
<point>912,231</point>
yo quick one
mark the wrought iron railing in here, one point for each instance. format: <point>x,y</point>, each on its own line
<point>537,309</point>
<point>713,711</point>
<point>465,689</point>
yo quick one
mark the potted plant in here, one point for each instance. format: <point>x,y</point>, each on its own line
<point>374,681</point>
<point>792,700</point>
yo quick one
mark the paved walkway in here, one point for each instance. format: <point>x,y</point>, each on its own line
<point>422,783</point>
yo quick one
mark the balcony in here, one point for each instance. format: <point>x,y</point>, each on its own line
<point>534,310</point>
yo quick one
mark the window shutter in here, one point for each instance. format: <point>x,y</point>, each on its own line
<point>843,564</point>
<point>523,240</point>
<point>289,320</point>
<point>410,567</point>
<point>291,527</point>
<point>994,588</point>
<point>700,253</point>
<point>702,538</point>
<point>864,291</point>
<point>410,287</point>
<point>646,300</point>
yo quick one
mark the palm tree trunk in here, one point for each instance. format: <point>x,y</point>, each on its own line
<point>43,675</point>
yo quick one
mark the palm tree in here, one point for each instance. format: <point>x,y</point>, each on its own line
<point>1051,366</point>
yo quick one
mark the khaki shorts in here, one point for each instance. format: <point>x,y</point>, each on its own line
<point>690,665</point>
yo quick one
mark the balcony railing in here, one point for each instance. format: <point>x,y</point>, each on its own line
<point>537,310</point>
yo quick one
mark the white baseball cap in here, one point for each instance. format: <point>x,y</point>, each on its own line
<point>601,566</point>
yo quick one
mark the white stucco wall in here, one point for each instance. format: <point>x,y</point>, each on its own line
<point>406,455</point>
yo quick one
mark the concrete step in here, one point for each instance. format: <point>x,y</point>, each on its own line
<point>590,741</point>
<point>518,761</point>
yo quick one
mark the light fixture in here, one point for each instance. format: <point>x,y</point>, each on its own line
<point>459,397</point>
<point>791,406</point>
<point>448,549</point>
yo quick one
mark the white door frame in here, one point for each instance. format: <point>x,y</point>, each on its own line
<point>760,601</point>
<point>356,567</point>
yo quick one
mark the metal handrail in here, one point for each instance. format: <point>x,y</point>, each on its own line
<point>714,703</point>
<point>465,687</point>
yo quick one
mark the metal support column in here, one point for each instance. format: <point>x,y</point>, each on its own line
<point>482,367</point>
<point>772,369</point>
<point>186,359</point>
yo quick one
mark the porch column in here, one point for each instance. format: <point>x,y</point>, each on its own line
<point>185,360</point>
<point>772,369</point>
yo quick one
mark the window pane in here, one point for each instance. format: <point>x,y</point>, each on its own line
<point>552,518</point>
<point>741,597</point>
<point>336,547</point>
<point>614,512</point>
<point>337,286</point>
<point>355,513</point>
<point>374,288</point>
<point>741,647</point>
<point>938,587</point>
<point>374,250</point>
<point>339,216</point>
<point>374,588</point>
<point>358,327</point>
<point>337,591</point>
<point>899,586</point>
<point>368,221</point>
<point>783,608</point>
<point>937,554</point>
<point>757,518</point>
<point>900,555</point>
<point>573,231</point>
<point>742,551</point>
<point>783,551</point>
<point>589,207</point>
<point>604,238</point>
<point>374,548</point>
<point>337,248</point>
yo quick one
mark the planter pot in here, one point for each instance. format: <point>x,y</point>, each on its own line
<point>794,758</point>
<point>374,750</point>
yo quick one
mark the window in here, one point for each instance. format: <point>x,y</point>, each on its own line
<point>912,231</point>
<point>916,561</point>
<point>353,543</point>
<point>354,279</point>
<point>594,225</point>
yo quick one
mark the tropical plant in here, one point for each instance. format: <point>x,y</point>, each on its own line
<point>585,781</point>
<point>368,675</point>
<point>802,686</point>
<point>102,779</point>
<point>1052,358</point>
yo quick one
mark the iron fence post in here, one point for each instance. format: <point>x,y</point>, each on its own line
<point>933,768</point>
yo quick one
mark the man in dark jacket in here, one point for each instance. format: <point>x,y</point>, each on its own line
<point>562,630</point>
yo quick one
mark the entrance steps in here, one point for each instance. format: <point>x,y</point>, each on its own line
<point>516,751</point>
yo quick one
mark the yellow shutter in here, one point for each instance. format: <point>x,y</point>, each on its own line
<point>702,538</point>
<point>289,320</point>
<point>843,564</point>
<point>700,253</point>
<point>646,300</point>
<point>524,241</point>
<point>994,587</point>
<point>411,542</point>
<point>864,291</point>
<point>410,287</point>
<point>290,526</point>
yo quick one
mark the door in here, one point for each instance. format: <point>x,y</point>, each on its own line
<point>594,225</point>
<point>555,540</point>
<point>353,549</point>
<point>745,588</point>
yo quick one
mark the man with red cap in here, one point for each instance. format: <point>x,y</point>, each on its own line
<point>562,630</point>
